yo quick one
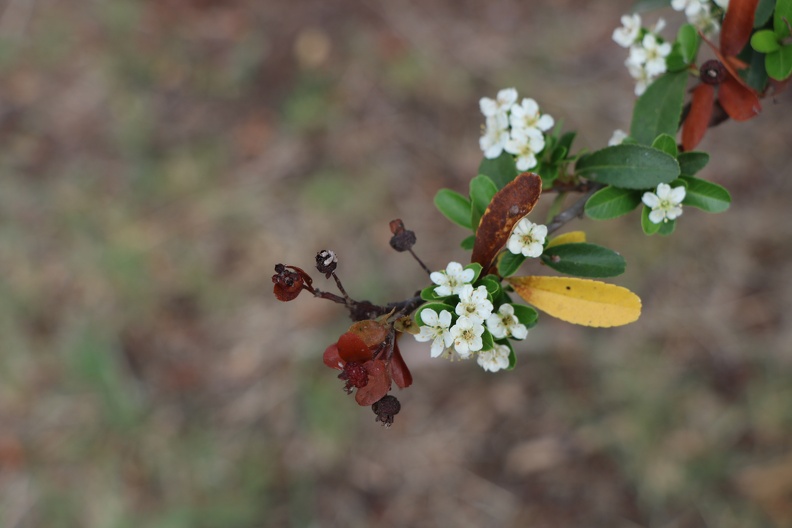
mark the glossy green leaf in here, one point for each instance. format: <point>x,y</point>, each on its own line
<point>437,307</point>
<point>689,41</point>
<point>667,144</point>
<point>501,170</point>
<point>756,74</point>
<point>779,63</point>
<point>509,263</point>
<point>659,108</point>
<point>512,356</point>
<point>629,166</point>
<point>584,260</point>
<point>566,140</point>
<point>706,195</point>
<point>453,206</point>
<point>527,315</point>
<point>428,294</point>
<point>765,41</point>
<point>482,189</point>
<point>782,18</point>
<point>666,228</point>
<point>692,162</point>
<point>612,202</point>
<point>764,10</point>
<point>487,341</point>
<point>492,284</point>
<point>476,267</point>
<point>468,242</point>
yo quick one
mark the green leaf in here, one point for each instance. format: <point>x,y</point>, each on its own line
<point>659,109</point>
<point>667,144</point>
<point>501,170</point>
<point>527,315</point>
<point>492,284</point>
<point>765,41</point>
<point>508,263</point>
<point>428,294</point>
<point>476,267</point>
<point>487,341</point>
<point>763,12</point>
<point>692,162</point>
<point>629,166</point>
<point>437,307</point>
<point>482,189</point>
<point>454,206</point>
<point>566,141</point>
<point>649,227</point>
<point>756,74</point>
<point>782,18</point>
<point>468,243</point>
<point>512,356</point>
<point>779,63</point>
<point>689,40</point>
<point>705,195</point>
<point>612,202</point>
<point>674,61</point>
<point>584,260</point>
<point>666,228</point>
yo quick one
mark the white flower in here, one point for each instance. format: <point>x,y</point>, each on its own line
<point>467,336</point>
<point>525,144</point>
<point>527,238</point>
<point>496,134</point>
<point>505,324</point>
<point>618,136</point>
<point>690,7</point>
<point>452,279</point>
<point>474,304</point>
<point>526,115</point>
<point>500,105</point>
<point>626,35</point>
<point>495,359</point>
<point>437,329</point>
<point>665,204</point>
<point>641,76</point>
<point>656,54</point>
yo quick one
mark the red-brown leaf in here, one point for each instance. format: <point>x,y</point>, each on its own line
<point>378,383</point>
<point>739,102</point>
<point>352,348</point>
<point>371,332</point>
<point>698,118</point>
<point>399,372</point>
<point>332,359</point>
<point>737,26</point>
<point>508,206</point>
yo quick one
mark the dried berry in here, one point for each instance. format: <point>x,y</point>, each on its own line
<point>326,262</point>
<point>403,239</point>
<point>289,282</point>
<point>355,375</point>
<point>386,409</point>
<point>713,72</point>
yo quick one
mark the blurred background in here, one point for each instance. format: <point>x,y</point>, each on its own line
<point>160,157</point>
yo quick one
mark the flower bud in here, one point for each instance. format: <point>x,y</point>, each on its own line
<point>326,262</point>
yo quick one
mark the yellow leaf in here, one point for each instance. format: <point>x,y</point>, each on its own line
<point>568,238</point>
<point>579,301</point>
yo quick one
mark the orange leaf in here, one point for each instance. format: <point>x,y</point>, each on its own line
<point>371,332</point>
<point>737,26</point>
<point>508,206</point>
<point>378,383</point>
<point>698,118</point>
<point>740,103</point>
<point>579,301</point>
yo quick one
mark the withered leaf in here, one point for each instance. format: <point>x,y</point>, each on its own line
<point>508,206</point>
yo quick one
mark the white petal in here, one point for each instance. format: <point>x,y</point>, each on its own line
<point>519,331</point>
<point>444,319</point>
<point>663,191</point>
<point>677,194</point>
<point>429,317</point>
<point>657,216</point>
<point>488,106</point>
<point>545,122</point>
<point>650,199</point>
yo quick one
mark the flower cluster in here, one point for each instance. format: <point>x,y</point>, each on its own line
<point>700,13</point>
<point>648,51</point>
<point>467,322</point>
<point>517,128</point>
